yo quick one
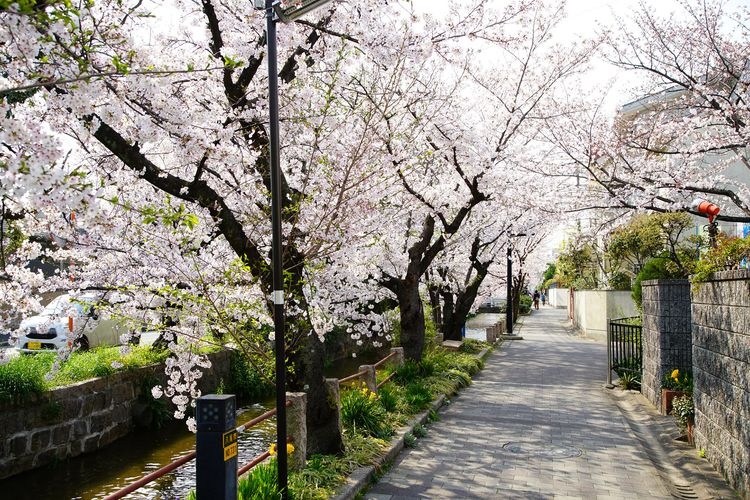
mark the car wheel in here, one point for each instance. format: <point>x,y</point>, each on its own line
<point>82,343</point>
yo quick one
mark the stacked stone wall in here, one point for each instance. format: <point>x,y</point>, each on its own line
<point>721,358</point>
<point>667,337</point>
<point>80,418</point>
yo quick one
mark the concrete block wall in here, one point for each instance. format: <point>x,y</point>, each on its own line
<point>667,333</point>
<point>594,308</point>
<point>80,418</point>
<point>721,369</point>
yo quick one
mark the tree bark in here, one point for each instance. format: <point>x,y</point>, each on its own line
<point>412,318</point>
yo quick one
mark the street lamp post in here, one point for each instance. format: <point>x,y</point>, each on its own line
<point>509,287</point>
<point>509,293</point>
<point>274,13</point>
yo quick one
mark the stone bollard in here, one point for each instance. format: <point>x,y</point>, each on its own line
<point>438,339</point>
<point>491,333</point>
<point>369,377</point>
<point>398,359</point>
<point>500,325</point>
<point>296,428</point>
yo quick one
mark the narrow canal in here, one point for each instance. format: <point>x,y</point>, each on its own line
<point>98,474</point>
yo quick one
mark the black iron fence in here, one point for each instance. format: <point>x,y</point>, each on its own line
<point>625,347</point>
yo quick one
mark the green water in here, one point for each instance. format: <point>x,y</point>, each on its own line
<point>98,474</point>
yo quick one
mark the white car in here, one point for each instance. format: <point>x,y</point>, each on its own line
<point>68,321</point>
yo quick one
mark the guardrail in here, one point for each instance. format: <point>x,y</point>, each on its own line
<point>140,483</point>
<point>369,372</point>
<point>625,347</point>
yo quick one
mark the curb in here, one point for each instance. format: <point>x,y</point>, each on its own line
<point>362,477</point>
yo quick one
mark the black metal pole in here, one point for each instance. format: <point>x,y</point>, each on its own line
<point>276,258</point>
<point>509,293</point>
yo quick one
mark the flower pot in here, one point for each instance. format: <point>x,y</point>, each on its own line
<point>691,432</point>
<point>667,395</point>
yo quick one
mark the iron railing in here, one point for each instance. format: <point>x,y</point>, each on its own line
<point>625,347</point>
<point>140,483</point>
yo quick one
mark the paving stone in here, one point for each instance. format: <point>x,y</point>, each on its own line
<point>541,397</point>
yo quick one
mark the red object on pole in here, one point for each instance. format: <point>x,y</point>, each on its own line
<point>706,208</point>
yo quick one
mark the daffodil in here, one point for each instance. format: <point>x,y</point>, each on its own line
<point>289,449</point>
<point>675,373</point>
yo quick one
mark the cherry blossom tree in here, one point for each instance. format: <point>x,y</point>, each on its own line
<point>685,134</point>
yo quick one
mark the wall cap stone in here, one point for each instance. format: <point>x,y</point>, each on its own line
<point>658,282</point>
<point>731,275</point>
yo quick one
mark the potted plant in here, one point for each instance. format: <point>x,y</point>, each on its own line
<point>675,383</point>
<point>683,409</point>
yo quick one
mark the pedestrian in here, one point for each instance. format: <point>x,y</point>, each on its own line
<point>536,299</point>
<point>544,298</point>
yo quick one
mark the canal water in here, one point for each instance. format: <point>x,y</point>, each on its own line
<point>95,475</point>
<point>98,474</point>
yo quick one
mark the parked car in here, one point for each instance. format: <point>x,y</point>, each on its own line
<point>68,321</point>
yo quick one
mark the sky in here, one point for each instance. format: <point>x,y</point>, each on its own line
<point>584,19</point>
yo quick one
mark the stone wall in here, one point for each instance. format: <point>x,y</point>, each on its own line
<point>80,418</point>
<point>667,333</point>
<point>721,369</point>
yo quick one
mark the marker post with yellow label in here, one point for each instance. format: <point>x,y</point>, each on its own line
<point>216,448</point>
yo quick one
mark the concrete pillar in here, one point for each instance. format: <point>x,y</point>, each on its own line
<point>491,333</point>
<point>667,333</point>
<point>398,359</point>
<point>369,377</point>
<point>296,428</point>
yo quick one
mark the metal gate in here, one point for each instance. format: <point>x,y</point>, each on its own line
<point>625,346</point>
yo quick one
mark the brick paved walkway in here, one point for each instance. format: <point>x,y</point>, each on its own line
<point>536,423</point>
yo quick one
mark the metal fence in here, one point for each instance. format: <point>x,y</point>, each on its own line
<point>625,347</point>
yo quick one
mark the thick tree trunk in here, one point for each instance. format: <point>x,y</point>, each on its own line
<point>462,303</point>
<point>412,319</point>
<point>307,358</point>
<point>323,431</point>
<point>437,314</point>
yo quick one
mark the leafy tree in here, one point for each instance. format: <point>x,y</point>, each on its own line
<point>647,236</point>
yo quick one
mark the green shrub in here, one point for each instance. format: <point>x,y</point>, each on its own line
<point>730,253</point>
<point>418,396</point>
<point>683,409</point>
<point>244,380</point>
<point>524,304</point>
<point>654,269</point>
<point>361,410</point>
<point>629,381</point>
<point>23,376</point>
<point>462,378</point>
<point>407,373</point>
<point>260,483</point>
<point>472,346</point>
<point>419,430</point>
<point>390,396</point>
<point>410,441</point>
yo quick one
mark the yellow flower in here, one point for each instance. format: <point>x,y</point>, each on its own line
<point>372,396</point>
<point>289,449</point>
<point>675,374</point>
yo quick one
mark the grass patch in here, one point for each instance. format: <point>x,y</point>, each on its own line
<point>27,374</point>
<point>23,376</point>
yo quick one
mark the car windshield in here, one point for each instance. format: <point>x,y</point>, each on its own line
<point>62,305</point>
